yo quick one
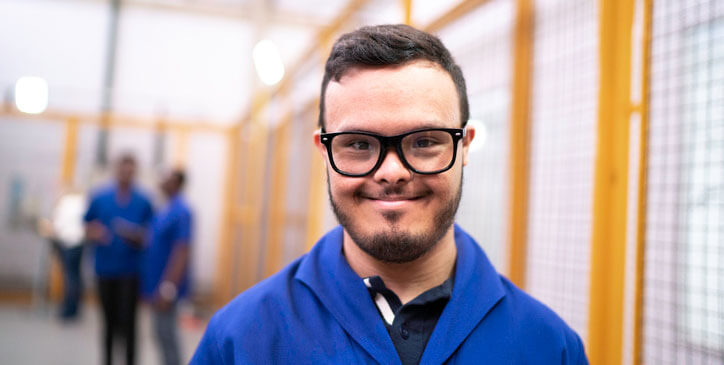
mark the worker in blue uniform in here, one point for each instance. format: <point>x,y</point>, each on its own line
<point>165,278</point>
<point>116,225</point>
<point>398,281</point>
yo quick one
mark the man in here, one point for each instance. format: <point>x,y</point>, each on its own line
<point>398,282</point>
<point>165,273</point>
<point>116,223</point>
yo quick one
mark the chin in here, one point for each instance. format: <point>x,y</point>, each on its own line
<point>393,237</point>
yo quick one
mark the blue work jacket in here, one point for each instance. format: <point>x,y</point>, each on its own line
<point>170,227</point>
<point>317,310</point>
<point>119,257</point>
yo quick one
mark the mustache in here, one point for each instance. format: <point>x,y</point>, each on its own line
<point>391,193</point>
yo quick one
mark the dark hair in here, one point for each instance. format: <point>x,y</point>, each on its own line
<point>390,45</point>
<point>126,157</point>
<point>180,176</point>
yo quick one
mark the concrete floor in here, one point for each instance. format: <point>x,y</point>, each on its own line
<point>35,336</point>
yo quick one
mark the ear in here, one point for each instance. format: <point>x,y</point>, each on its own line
<point>321,148</point>
<point>469,136</point>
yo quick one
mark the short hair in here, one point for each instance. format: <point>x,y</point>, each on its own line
<point>180,176</point>
<point>126,157</point>
<point>390,45</point>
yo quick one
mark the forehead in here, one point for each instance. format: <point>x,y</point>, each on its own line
<point>392,100</point>
<point>126,162</point>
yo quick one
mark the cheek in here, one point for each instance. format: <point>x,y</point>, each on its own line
<point>343,187</point>
<point>448,184</point>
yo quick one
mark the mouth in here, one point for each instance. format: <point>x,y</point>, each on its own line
<point>386,202</point>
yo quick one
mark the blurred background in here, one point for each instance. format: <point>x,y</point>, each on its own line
<point>596,181</point>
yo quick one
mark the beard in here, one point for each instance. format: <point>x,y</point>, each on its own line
<point>395,244</point>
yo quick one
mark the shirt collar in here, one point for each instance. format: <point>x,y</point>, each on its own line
<point>375,285</point>
<point>476,290</point>
<point>389,304</point>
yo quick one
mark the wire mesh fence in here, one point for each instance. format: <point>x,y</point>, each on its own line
<point>485,59</point>
<point>684,260</point>
<point>564,98</point>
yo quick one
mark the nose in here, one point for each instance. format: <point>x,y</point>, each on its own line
<point>392,170</point>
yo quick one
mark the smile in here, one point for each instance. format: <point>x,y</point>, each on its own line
<point>393,202</point>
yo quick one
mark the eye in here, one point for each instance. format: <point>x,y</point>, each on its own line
<point>359,145</point>
<point>424,142</point>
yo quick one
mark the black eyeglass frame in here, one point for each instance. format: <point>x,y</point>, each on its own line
<point>393,141</point>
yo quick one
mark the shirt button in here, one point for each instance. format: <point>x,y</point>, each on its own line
<point>405,334</point>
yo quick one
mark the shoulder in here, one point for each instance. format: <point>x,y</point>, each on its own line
<point>526,320</point>
<point>529,308</point>
<point>142,195</point>
<point>267,297</point>
<point>182,207</point>
<point>256,320</point>
<point>540,326</point>
<point>101,193</point>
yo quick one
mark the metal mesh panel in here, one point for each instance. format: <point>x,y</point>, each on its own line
<point>204,191</point>
<point>562,156</point>
<point>684,258</point>
<point>485,59</point>
<point>30,156</point>
<point>297,195</point>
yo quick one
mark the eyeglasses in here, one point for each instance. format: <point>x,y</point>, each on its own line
<point>427,151</point>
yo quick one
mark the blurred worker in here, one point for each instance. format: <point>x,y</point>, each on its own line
<point>65,232</point>
<point>166,265</point>
<point>116,223</point>
<point>398,282</point>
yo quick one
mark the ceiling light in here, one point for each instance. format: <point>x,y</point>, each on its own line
<point>31,94</point>
<point>268,62</point>
<point>481,134</point>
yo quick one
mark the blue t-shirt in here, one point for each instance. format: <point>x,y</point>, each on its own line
<point>318,311</point>
<point>120,257</point>
<point>170,227</point>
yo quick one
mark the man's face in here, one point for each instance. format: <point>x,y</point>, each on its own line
<point>394,214</point>
<point>169,183</point>
<point>125,171</point>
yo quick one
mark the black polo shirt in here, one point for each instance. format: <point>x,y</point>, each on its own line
<point>410,326</point>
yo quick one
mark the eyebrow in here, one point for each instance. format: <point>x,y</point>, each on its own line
<point>426,125</point>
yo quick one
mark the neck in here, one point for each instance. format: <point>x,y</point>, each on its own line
<point>410,279</point>
<point>124,187</point>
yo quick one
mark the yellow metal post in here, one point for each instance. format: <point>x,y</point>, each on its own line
<point>407,11</point>
<point>252,198</point>
<point>277,209</point>
<point>315,205</point>
<point>462,8</point>
<point>608,251</point>
<point>643,164</point>
<point>520,142</point>
<point>67,173</point>
<point>317,186</point>
<point>223,284</point>
<point>181,148</point>
<point>254,165</point>
<point>69,152</point>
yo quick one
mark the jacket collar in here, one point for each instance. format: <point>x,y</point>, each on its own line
<point>326,272</point>
<point>477,289</point>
